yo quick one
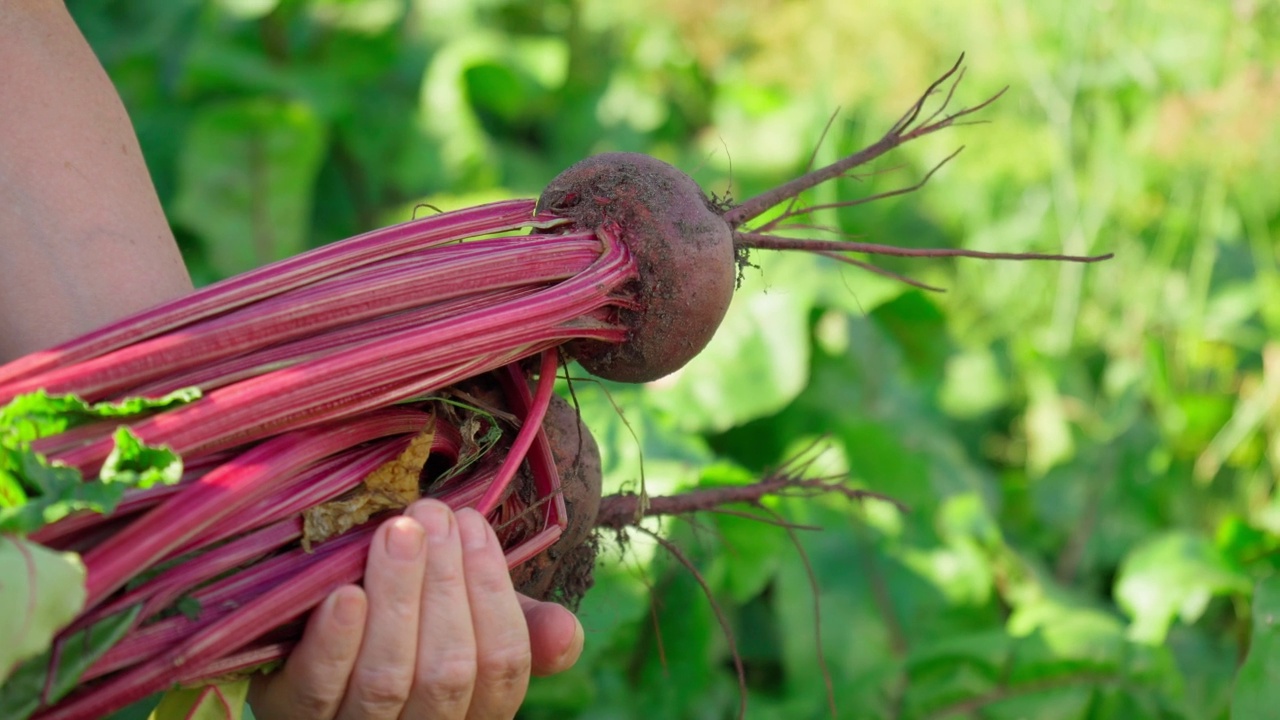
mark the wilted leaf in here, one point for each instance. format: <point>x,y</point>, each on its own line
<point>393,485</point>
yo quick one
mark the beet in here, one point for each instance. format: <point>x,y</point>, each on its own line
<point>683,250</point>
<point>563,571</point>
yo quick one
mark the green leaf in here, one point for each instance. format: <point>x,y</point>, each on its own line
<point>30,684</point>
<point>38,493</point>
<point>40,592</point>
<point>752,550</point>
<point>1257,691</point>
<point>681,647</point>
<point>248,9</point>
<point>1062,637</point>
<point>1173,575</point>
<point>638,440</point>
<point>1049,438</point>
<point>34,492</point>
<point>137,465</point>
<point>223,701</point>
<point>246,181</point>
<point>39,414</point>
<point>1054,703</point>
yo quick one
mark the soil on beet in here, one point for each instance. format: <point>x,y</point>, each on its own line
<point>563,573</point>
<point>683,250</point>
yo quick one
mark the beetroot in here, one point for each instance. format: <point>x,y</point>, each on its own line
<point>682,247</point>
<point>563,572</point>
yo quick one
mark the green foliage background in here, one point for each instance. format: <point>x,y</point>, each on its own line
<point>1089,453</point>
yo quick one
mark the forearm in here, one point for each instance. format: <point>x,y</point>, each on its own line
<point>83,239</point>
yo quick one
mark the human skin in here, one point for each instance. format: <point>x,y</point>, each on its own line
<point>436,630</point>
<point>84,238</point>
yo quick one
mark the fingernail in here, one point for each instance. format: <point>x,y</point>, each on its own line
<point>436,517</point>
<point>404,538</point>
<point>348,607</point>
<point>574,651</point>
<point>473,528</point>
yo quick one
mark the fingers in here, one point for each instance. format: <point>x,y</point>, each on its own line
<point>446,668</point>
<point>474,656</point>
<point>383,675</point>
<point>424,638</point>
<point>555,636</point>
<point>306,688</point>
<point>502,638</point>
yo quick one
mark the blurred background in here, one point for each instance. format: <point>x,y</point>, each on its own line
<point>1089,453</point>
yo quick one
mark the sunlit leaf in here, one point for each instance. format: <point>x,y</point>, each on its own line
<point>1173,576</point>
<point>755,364</point>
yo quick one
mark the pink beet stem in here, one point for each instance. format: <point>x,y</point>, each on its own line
<point>247,659</point>
<point>227,490</point>
<point>164,589</point>
<point>322,482</point>
<point>546,476</point>
<point>277,357</point>
<point>530,426</point>
<point>284,275</point>
<point>429,277</point>
<point>271,608</point>
<point>530,547</point>
<point>261,402</point>
<point>222,597</point>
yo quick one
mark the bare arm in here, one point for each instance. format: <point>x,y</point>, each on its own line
<point>82,237</point>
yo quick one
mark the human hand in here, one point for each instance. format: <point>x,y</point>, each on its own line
<point>437,632</point>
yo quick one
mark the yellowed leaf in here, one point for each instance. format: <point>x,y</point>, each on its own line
<point>393,485</point>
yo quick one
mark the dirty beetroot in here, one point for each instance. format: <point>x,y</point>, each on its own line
<point>338,386</point>
<point>683,252</point>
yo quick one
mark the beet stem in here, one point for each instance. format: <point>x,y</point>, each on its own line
<point>294,396</point>
<point>430,277</point>
<point>279,604</point>
<point>530,426</point>
<point>283,275</point>
<point>225,491</point>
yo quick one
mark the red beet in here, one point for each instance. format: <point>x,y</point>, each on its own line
<point>683,249</point>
